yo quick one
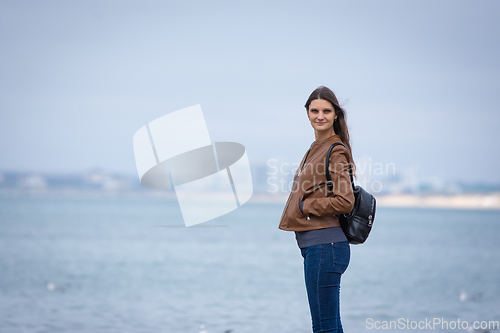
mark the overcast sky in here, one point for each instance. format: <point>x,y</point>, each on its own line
<point>419,79</point>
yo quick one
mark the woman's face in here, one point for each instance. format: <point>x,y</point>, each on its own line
<point>321,115</point>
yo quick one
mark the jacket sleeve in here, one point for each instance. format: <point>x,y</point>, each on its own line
<point>341,199</point>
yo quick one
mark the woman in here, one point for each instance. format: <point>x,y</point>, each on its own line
<point>311,208</point>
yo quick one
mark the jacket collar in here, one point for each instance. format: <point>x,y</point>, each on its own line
<point>330,140</point>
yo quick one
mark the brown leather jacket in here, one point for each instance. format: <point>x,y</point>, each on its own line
<point>309,184</point>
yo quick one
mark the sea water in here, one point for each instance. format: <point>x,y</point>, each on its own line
<point>127,264</point>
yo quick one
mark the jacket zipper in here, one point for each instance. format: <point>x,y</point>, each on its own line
<point>305,160</point>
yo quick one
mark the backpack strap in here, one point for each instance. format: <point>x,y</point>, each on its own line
<point>327,165</point>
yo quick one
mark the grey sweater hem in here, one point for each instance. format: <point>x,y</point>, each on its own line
<point>319,236</point>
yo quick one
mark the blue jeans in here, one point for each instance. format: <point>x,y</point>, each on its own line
<point>323,267</point>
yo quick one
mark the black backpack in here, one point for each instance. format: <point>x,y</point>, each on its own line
<point>358,223</point>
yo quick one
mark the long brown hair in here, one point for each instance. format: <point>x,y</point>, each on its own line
<point>340,125</point>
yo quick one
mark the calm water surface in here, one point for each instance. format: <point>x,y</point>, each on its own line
<point>128,265</point>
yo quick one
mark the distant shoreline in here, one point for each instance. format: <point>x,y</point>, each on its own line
<point>456,201</point>
<point>461,201</point>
